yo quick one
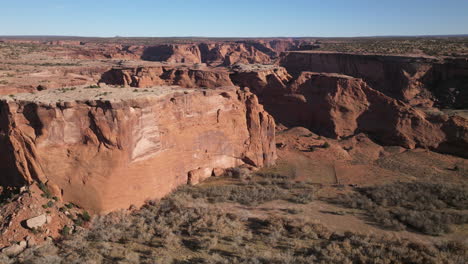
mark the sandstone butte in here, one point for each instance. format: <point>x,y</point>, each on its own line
<point>110,148</point>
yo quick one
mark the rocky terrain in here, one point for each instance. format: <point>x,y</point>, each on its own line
<point>418,80</point>
<point>188,141</point>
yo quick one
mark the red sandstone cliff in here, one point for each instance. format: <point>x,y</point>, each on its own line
<point>212,53</point>
<point>147,76</point>
<point>106,149</point>
<point>416,80</point>
<point>264,80</point>
<point>340,106</point>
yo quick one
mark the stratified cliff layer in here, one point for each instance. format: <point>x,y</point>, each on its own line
<point>214,53</point>
<point>416,80</point>
<point>106,149</point>
<point>148,76</point>
<point>339,106</point>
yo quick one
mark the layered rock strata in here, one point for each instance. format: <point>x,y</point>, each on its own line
<point>415,80</point>
<point>107,149</point>
<point>340,106</point>
<point>147,76</point>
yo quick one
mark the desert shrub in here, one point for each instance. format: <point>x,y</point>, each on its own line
<point>184,229</point>
<point>239,173</point>
<point>247,194</point>
<point>425,207</point>
<point>45,191</point>
<point>170,231</point>
<point>65,231</point>
<point>85,216</point>
<point>49,204</point>
<point>269,187</point>
<point>302,198</point>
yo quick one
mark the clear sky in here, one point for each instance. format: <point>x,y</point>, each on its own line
<point>233,18</point>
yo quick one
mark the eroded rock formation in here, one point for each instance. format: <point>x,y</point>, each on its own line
<point>148,76</point>
<point>106,149</point>
<point>214,53</point>
<point>264,80</point>
<point>339,106</point>
<point>415,80</point>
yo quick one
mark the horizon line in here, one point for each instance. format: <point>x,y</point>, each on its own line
<point>230,37</point>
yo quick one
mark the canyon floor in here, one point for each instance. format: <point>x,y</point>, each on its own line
<point>369,149</point>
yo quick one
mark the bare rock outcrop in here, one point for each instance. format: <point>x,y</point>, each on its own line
<point>415,80</point>
<point>148,76</point>
<point>340,106</point>
<point>264,51</point>
<point>263,80</point>
<point>106,149</point>
<point>215,53</point>
<point>175,53</point>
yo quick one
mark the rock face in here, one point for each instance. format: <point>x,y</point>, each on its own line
<point>334,102</point>
<point>264,80</point>
<point>215,53</point>
<point>148,76</point>
<point>415,80</point>
<point>173,53</point>
<point>211,53</point>
<point>106,149</point>
<point>340,106</point>
<point>448,82</point>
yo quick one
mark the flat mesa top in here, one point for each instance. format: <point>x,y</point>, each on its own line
<point>73,94</point>
<point>413,56</point>
<point>240,67</point>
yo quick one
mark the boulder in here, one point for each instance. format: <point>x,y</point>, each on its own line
<point>198,175</point>
<point>15,249</point>
<point>36,222</point>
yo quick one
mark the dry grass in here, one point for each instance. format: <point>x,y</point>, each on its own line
<point>425,207</point>
<point>189,227</point>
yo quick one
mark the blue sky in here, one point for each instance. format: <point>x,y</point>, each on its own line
<point>234,18</point>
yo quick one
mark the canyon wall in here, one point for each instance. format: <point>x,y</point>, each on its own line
<point>148,76</point>
<point>106,149</point>
<point>265,81</point>
<point>340,106</point>
<point>415,80</point>
<point>224,53</point>
<point>211,53</point>
<point>448,82</point>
